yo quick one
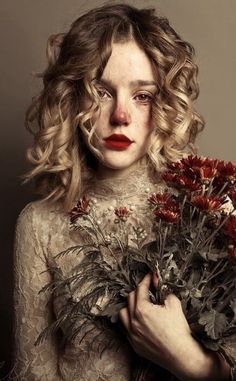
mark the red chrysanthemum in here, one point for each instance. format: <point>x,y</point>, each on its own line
<point>208,204</point>
<point>169,177</point>
<point>232,196</point>
<point>175,166</point>
<point>122,213</point>
<point>199,168</point>
<point>159,199</point>
<point>166,207</point>
<point>207,173</point>
<point>209,162</point>
<point>227,171</point>
<point>167,215</point>
<point>190,173</point>
<point>181,181</point>
<point>81,209</point>
<point>193,161</point>
<point>189,184</point>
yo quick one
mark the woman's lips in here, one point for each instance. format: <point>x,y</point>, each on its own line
<point>118,142</point>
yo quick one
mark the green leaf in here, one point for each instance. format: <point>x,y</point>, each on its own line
<point>112,310</point>
<point>214,323</point>
<point>196,303</point>
<point>212,345</point>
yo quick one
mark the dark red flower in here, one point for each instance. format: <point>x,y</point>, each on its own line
<point>169,177</point>
<point>200,168</point>
<point>167,215</point>
<point>190,173</point>
<point>208,204</point>
<point>232,196</point>
<point>227,171</point>
<point>193,161</point>
<point>164,201</point>
<point>226,176</point>
<point>166,207</point>
<point>230,228</point>
<point>81,209</point>
<point>181,181</point>
<point>209,162</point>
<point>122,213</point>
<point>207,173</point>
<point>159,199</point>
<point>191,185</point>
<point>175,166</point>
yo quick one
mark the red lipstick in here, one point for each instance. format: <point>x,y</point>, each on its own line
<point>117,142</point>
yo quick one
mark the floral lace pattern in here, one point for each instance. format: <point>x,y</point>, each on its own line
<point>43,231</point>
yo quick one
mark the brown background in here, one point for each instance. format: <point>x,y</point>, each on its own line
<point>25,25</point>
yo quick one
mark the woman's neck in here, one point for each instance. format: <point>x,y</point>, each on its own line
<point>133,181</point>
<point>103,172</point>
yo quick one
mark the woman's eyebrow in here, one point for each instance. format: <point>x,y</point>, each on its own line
<point>143,82</point>
<point>138,82</point>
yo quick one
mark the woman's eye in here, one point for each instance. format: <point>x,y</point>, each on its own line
<point>144,98</point>
<point>103,94</point>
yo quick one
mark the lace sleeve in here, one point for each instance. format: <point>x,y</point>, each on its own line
<point>32,310</point>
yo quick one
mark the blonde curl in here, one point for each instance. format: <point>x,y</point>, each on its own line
<point>58,119</point>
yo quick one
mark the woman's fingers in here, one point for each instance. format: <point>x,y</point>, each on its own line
<point>125,318</point>
<point>137,297</point>
<point>143,289</point>
<point>155,279</point>
<point>172,301</point>
<point>127,314</point>
<point>131,303</point>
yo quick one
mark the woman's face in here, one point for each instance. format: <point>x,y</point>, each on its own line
<point>126,89</point>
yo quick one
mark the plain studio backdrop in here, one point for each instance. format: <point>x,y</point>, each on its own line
<point>25,26</point>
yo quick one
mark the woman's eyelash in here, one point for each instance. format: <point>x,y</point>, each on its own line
<point>144,97</point>
<point>102,93</point>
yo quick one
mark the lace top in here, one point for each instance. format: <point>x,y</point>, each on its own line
<point>42,231</point>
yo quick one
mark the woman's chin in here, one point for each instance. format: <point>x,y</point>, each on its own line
<point>119,160</point>
<point>117,165</point>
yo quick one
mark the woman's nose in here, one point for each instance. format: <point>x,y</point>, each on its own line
<point>120,115</point>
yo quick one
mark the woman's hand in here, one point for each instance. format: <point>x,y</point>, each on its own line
<point>161,334</point>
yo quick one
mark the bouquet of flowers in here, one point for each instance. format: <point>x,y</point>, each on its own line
<point>193,254</point>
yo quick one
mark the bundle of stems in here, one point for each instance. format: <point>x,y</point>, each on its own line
<point>193,254</point>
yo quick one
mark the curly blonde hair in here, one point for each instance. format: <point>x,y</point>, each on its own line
<point>75,59</point>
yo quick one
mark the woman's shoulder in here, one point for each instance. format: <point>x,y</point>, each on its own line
<point>41,211</point>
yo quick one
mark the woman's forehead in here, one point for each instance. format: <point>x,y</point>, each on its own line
<point>128,62</point>
<point>131,83</point>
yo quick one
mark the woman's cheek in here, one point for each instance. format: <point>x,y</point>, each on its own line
<point>145,113</point>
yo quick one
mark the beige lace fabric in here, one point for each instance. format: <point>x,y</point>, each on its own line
<point>42,232</point>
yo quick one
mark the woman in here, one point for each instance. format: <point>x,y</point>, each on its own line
<point>117,105</point>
